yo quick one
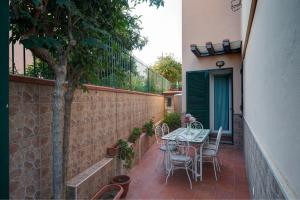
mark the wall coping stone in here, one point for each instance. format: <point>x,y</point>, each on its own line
<point>38,81</point>
<point>83,176</point>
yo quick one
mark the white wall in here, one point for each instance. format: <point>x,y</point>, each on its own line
<point>272,88</point>
<point>246,6</point>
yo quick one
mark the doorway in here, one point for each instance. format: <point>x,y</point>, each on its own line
<point>221,101</point>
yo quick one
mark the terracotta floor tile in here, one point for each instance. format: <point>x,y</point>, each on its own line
<point>148,179</point>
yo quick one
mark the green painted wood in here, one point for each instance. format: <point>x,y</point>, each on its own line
<point>4,142</point>
<point>197,87</point>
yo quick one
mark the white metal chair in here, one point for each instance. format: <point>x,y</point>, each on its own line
<point>180,159</point>
<point>212,153</point>
<point>162,144</point>
<point>196,125</point>
<point>165,128</point>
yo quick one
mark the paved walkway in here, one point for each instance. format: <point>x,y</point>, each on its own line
<point>148,180</point>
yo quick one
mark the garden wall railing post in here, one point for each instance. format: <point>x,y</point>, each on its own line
<point>34,68</point>
<point>130,71</point>
<point>24,61</point>
<point>13,57</point>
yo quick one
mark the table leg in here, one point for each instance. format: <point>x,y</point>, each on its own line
<point>200,154</point>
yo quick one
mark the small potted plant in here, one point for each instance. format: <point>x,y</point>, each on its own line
<point>126,154</point>
<point>112,191</point>
<point>112,151</point>
<point>148,127</point>
<point>135,134</point>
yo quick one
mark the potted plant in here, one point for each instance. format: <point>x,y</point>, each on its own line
<point>124,181</point>
<point>112,151</point>
<point>135,134</point>
<point>125,153</point>
<point>148,127</point>
<point>112,191</point>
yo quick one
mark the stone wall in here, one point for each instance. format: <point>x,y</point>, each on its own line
<point>262,182</point>
<point>238,132</point>
<point>99,118</point>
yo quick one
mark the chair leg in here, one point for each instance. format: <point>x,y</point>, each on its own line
<point>171,169</point>
<point>214,163</point>
<point>219,163</point>
<point>157,162</point>
<point>187,172</point>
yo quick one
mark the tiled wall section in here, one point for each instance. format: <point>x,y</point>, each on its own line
<point>238,135</point>
<point>262,183</point>
<point>99,119</point>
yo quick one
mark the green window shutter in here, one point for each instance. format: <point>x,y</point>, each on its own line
<point>197,86</point>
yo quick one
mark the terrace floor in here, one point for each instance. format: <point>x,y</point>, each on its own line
<point>148,179</point>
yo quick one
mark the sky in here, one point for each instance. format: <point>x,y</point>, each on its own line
<point>162,27</point>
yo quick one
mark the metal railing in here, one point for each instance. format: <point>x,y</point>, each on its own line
<point>119,69</point>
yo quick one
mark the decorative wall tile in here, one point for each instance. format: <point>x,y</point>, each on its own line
<point>262,182</point>
<point>99,119</point>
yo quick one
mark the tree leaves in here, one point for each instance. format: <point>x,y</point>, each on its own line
<point>39,42</point>
<point>169,68</point>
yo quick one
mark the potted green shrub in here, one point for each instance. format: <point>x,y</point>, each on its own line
<point>173,120</point>
<point>125,153</point>
<point>148,127</point>
<point>112,191</point>
<point>135,134</point>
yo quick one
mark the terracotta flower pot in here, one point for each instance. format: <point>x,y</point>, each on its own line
<point>124,181</point>
<point>144,130</point>
<point>112,191</point>
<point>112,151</point>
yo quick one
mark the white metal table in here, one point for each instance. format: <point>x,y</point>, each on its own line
<point>196,137</point>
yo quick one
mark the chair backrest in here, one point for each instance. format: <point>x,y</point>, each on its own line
<point>196,125</point>
<point>158,134</point>
<point>165,128</point>
<point>182,146</point>
<point>218,138</point>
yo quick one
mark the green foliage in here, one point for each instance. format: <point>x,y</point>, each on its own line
<point>41,70</point>
<point>50,28</point>
<point>135,134</point>
<point>173,120</point>
<point>169,68</point>
<point>126,153</point>
<point>149,127</point>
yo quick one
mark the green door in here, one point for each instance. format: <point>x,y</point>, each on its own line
<point>197,97</point>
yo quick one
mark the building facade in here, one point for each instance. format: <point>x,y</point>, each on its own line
<point>205,84</point>
<point>264,78</point>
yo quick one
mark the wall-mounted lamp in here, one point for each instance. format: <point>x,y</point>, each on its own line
<point>220,63</point>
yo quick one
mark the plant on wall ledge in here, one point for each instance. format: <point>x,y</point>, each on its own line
<point>135,134</point>
<point>148,127</point>
<point>126,153</point>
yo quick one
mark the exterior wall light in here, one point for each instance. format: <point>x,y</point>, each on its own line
<point>220,63</point>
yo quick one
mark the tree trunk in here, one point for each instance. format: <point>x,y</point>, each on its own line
<point>57,108</point>
<point>66,138</point>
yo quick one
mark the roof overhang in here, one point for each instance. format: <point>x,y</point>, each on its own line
<point>226,47</point>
